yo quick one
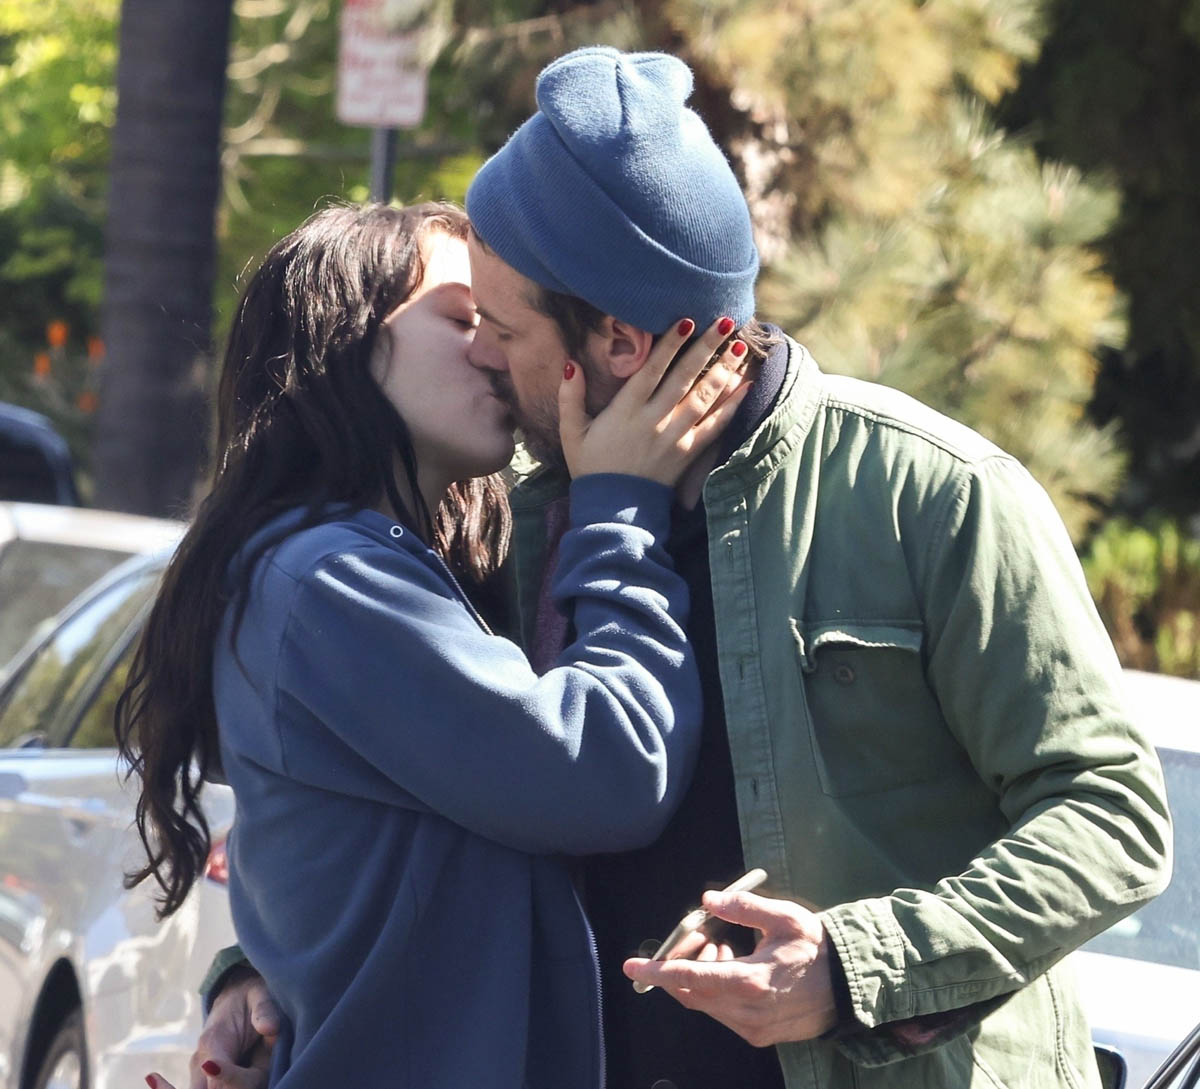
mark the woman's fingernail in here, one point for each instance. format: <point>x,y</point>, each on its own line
<point>210,1068</point>
<point>725,326</point>
<point>569,371</point>
<point>738,348</point>
<point>150,1081</point>
<point>685,327</point>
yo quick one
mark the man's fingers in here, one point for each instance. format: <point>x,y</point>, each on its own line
<point>760,912</point>
<point>264,1017</point>
<point>698,977</point>
<point>240,1077</point>
<point>690,946</point>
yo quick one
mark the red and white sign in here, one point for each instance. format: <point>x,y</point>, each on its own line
<point>381,76</point>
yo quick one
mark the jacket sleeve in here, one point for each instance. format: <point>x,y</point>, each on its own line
<point>387,687</point>
<point>1029,684</point>
<point>224,962</point>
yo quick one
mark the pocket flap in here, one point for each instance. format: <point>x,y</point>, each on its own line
<point>811,637</point>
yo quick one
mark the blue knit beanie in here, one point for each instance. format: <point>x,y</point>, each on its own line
<point>615,192</point>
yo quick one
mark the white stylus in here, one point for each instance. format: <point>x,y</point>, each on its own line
<point>694,920</point>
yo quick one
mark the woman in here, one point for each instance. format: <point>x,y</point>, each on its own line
<point>406,786</point>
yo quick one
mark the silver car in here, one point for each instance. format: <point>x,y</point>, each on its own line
<point>94,992</point>
<point>1141,978</point>
<point>49,554</point>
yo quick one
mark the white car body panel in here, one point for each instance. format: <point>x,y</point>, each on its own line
<point>1138,1006</point>
<point>66,838</point>
<point>1141,1009</point>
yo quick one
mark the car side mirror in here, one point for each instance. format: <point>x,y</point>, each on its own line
<point>1113,1070</point>
<point>35,462</point>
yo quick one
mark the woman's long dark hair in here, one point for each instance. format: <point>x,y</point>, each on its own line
<point>300,423</point>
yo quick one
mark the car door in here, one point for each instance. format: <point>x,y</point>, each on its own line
<point>64,814</point>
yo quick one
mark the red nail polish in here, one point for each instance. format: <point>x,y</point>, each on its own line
<point>151,1082</point>
<point>210,1068</point>
<point>685,327</point>
<point>569,371</point>
<point>725,326</point>
<point>738,349</point>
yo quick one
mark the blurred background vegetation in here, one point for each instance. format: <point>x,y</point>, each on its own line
<point>987,203</point>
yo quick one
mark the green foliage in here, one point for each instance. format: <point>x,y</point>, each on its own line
<point>286,152</point>
<point>1146,583</point>
<point>1117,89</point>
<point>57,105</point>
<point>983,302</point>
<point>59,379</point>
<point>909,240</point>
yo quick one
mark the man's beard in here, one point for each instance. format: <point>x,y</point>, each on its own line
<point>538,425</point>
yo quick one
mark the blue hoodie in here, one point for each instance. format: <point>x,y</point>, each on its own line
<point>408,788</point>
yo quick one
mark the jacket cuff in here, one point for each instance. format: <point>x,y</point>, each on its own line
<point>869,949</point>
<point>217,976</point>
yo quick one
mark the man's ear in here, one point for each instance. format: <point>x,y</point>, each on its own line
<point>621,348</point>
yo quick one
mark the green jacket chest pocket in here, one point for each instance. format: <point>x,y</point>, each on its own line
<point>876,724</point>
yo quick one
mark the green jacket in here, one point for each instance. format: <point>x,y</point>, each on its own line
<point>928,735</point>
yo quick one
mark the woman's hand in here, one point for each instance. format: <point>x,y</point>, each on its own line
<point>664,416</point>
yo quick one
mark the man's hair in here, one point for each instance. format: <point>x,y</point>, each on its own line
<point>576,318</point>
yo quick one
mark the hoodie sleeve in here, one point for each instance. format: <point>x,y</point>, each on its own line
<point>387,686</point>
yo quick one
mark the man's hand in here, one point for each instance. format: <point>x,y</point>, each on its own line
<point>242,1026</point>
<point>780,993</point>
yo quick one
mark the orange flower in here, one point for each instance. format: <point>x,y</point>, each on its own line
<point>57,333</point>
<point>41,365</point>
<point>87,401</point>
<point>95,349</point>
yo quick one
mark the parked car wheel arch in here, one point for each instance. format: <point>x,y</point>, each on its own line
<point>59,999</point>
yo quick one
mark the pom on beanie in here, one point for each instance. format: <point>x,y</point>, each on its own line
<point>615,191</point>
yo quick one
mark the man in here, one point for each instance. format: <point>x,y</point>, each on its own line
<point>913,715</point>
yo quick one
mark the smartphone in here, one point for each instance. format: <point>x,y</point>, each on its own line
<point>695,919</point>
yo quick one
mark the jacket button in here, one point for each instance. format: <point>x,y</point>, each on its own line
<point>649,947</point>
<point>663,1083</point>
<point>843,673</point>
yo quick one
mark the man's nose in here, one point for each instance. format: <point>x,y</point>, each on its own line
<point>485,353</point>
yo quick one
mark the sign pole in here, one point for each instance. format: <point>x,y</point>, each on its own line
<point>383,159</point>
<point>381,80</point>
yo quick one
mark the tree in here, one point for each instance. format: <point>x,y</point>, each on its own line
<point>905,237</point>
<point>57,101</point>
<point>908,239</point>
<point>1116,91</point>
<point>159,253</point>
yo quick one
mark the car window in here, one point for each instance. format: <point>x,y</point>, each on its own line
<point>38,578</point>
<point>49,684</point>
<point>1167,930</point>
<point>95,727</point>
